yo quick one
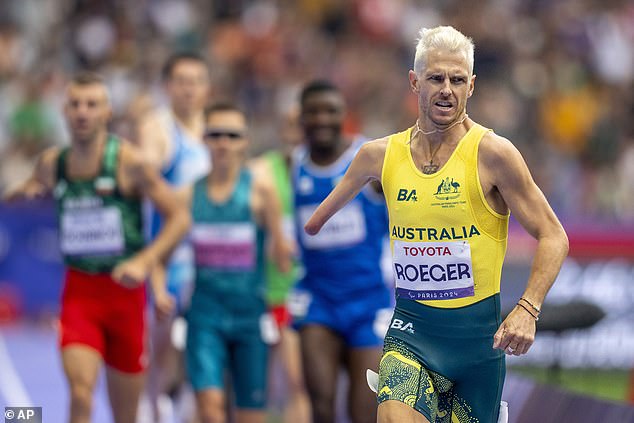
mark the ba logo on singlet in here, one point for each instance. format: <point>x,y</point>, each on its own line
<point>406,195</point>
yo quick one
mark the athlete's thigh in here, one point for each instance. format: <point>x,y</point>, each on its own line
<point>211,404</point>
<point>322,355</point>
<point>395,411</point>
<point>478,392</point>
<point>126,333</point>
<point>206,357</point>
<point>358,360</point>
<point>81,322</point>
<point>290,355</point>
<point>124,391</point>
<point>249,368</point>
<point>441,363</point>
<point>362,401</point>
<point>405,377</point>
<point>81,365</point>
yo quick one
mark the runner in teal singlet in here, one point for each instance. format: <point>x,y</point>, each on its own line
<point>231,212</point>
<point>171,139</point>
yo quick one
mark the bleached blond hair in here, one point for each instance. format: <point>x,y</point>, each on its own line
<point>444,38</point>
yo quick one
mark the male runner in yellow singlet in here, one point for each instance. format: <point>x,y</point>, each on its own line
<point>450,186</point>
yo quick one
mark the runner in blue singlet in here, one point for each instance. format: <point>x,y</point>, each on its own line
<point>341,304</point>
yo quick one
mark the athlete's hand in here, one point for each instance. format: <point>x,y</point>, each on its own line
<point>132,272</point>
<point>31,190</point>
<point>516,333</point>
<point>164,305</point>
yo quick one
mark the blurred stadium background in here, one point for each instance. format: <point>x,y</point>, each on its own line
<point>554,76</point>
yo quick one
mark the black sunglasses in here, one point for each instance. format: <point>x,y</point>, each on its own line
<point>216,134</point>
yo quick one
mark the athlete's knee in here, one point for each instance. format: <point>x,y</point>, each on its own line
<point>81,398</point>
<point>127,414</point>
<point>363,414</point>
<point>396,412</point>
<point>362,405</point>
<point>211,411</point>
<point>323,410</point>
<point>295,383</point>
<point>212,416</point>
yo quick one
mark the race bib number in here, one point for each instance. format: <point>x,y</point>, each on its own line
<point>229,246</point>
<point>91,231</point>
<point>433,270</point>
<point>346,227</point>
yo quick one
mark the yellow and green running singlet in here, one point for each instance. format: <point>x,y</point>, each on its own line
<point>448,246</point>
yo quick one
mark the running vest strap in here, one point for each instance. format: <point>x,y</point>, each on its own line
<point>448,244</point>
<point>98,226</point>
<point>229,255</point>
<point>278,283</point>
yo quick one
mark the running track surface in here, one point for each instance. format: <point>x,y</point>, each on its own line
<point>31,374</point>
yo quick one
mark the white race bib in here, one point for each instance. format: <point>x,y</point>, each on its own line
<point>433,270</point>
<point>225,245</point>
<point>346,227</point>
<point>92,231</point>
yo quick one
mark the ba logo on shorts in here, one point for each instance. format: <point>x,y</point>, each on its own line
<point>406,195</point>
<point>402,326</point>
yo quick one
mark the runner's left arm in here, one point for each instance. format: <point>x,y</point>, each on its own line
<point>146,181</point>
<point>365,167</point>
<point>530,208</point>
<point>164,302</point>
<point>281,250</point>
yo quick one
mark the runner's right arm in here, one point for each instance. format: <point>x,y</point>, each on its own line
<point>42,180</point>
<point>365,167</point>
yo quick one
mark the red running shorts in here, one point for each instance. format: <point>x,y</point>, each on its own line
<point>107,316</point>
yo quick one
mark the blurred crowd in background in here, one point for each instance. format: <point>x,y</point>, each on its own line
<point>554,76</point>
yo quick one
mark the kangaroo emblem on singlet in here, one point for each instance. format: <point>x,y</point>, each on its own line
<point>448,189</point>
